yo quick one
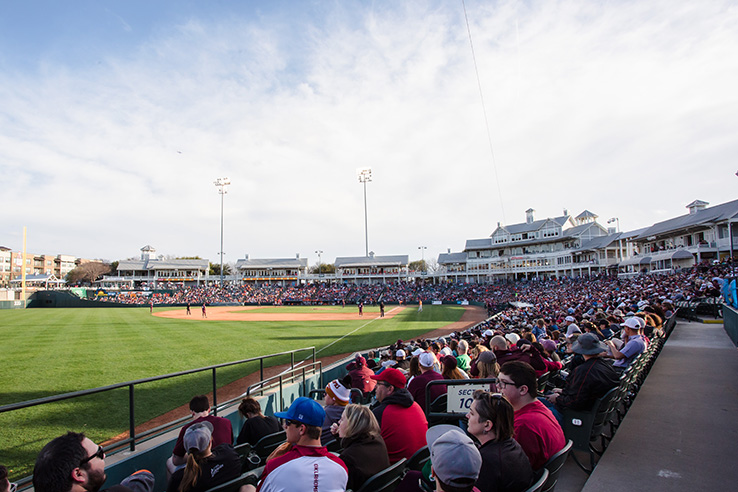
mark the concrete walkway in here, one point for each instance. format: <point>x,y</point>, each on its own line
<point>681,433</point>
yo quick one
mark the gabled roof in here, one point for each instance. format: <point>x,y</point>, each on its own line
<point>599,242</point>
<point>38,277</point>
<point>148,247</point>
<point>632,234</point>
<point>485,243</point>
<point>708,216</point>
<point>371,261</point>
<point>576,231</point>
<point>162,264</point>
<point>271,263</point>
<point>448,258</point>
<point>533,226</point>
<point>586,215</point>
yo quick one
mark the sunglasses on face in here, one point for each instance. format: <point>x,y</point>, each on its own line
<point>100,453</point>
<point>288,423</point>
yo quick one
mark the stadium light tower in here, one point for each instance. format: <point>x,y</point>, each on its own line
<point>319,252</point>
<point>365,176</point>
<point>422,256</point>
<point>221,184</point>
<point>620,244</point>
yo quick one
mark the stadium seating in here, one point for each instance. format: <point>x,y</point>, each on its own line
<point>553,467</point>
<point>386,480</point>
<point>540,478</point>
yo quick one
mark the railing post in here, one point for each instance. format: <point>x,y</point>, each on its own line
<point>131,418</point>
<point>304,386</point>
<point>261,371</point>
<point>281,395</point>
<point>313,355</point>
<point>215,394</point>
<point>292,360</point>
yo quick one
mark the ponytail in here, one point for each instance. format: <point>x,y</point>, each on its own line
<point>191,470</point>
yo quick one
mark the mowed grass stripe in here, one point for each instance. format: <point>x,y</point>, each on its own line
<point>51,351</point>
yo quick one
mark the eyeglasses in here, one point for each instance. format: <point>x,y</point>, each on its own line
<point>505,384</point>
<point>13,486</point>
<point>100,453</point>
<point>288,423</point>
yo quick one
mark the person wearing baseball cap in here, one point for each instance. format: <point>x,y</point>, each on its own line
<point>337,396</point>
<point>307,466</point>
<point>588,381</point>
<point>634,344</point>
<point>206,466</point>
<point>455,459</point>
<point>401,420</point>
<point>361,375</point>
<point>416,387</point>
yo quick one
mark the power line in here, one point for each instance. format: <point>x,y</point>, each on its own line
<point>484,111</point>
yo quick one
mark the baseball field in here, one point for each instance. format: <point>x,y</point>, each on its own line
<point>51,351</point>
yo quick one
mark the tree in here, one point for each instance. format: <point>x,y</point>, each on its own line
<point>215,269</point>
<point>433,265</point>
<point>417,266</point>
<point>88,272</point>
<point>323,268</point>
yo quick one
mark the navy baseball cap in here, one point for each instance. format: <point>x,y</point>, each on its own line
<point>304,410</point>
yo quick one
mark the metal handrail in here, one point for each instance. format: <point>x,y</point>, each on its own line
<point>132,384</point>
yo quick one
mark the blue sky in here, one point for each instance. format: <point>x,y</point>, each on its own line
<point>117,116</point>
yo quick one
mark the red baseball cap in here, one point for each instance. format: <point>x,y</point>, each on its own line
<point>392,376</point>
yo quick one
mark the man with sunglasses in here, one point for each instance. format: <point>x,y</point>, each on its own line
<point>74,463</point>
<point>307,466</point>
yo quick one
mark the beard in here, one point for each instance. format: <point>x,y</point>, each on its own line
<point>95,480</point>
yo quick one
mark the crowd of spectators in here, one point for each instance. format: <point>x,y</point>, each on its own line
<point>549,296</point>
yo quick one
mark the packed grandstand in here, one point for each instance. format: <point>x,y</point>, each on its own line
<point>547,296</point>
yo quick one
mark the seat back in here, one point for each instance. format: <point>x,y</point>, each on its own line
<point>262,449</point>
<point>386,480</point>
<point>236,483</point>
<point>243,449</point>
<point>543,381</point>
<point>418,459</point>
<point>582,426</point>
<point>554,465</point>
<point>539,479</point>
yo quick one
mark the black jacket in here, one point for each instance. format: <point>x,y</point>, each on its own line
<point>364,456</point>
<point>589,381</point>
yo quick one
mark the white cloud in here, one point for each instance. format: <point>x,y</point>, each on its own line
<point>625,109</point>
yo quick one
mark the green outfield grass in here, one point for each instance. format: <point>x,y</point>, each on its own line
<point>51,351</point>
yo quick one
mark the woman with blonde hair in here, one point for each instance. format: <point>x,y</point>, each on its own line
<point>364,451</point>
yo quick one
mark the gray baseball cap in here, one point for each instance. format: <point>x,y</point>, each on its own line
<point>455,459</point>
<point>198,436</point>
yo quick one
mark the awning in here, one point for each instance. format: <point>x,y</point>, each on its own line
<point>637,260</point>
<point>674,254</point>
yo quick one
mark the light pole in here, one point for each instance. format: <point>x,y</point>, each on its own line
<point>365,175</point>
<point>319,252</point>
<point>422,256</point>
<point>221,184</point>
<point>620,243</point>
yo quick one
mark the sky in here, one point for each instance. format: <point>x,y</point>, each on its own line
<point>117,117</point>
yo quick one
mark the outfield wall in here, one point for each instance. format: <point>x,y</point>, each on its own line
<point>16,304</point>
